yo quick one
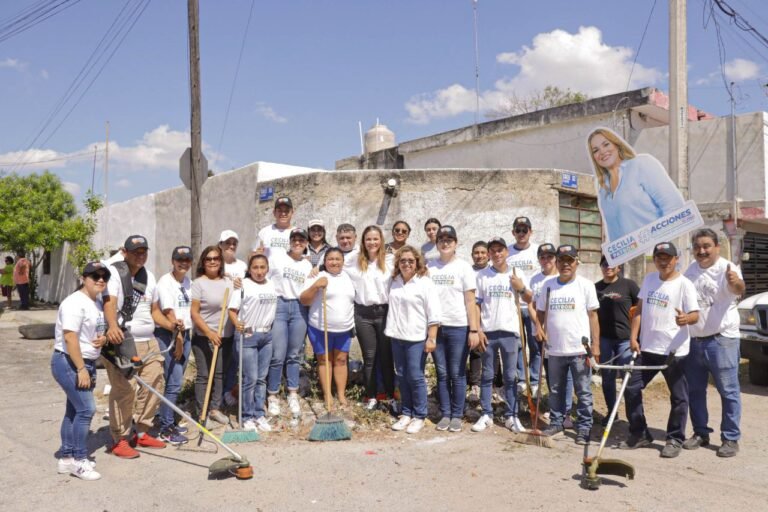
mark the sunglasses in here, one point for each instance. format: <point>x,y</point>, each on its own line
<point>521,231</point>
<point>407,262</point>
<point>212,259</point>
<point>399,231</point>
<point>98,276</point>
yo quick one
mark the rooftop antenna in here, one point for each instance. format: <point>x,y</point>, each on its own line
<point>477,68</point>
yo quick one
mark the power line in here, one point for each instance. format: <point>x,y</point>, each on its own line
<point>739,20</point>
<point>31,16</point>
<point>639,47</point>
<point>75,156</point>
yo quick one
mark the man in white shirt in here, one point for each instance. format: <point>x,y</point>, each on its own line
<point>234,268</point>
<point>346,236</point>
<point>275,237</point>
<point>714,343</point>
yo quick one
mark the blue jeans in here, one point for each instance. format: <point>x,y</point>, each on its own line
<point>450,356</point>
<point>410,359</point>
<point>288,332</point>
<point>609,348</point>
<point>174,373</point>
<point>534,352</point>
<point>719,356</point>
<point>257,354</point>
<point>80,405</point>
<point>559,368</point>
<point>509,345</point>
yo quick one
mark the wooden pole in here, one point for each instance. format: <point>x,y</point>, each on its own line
<point>196,178</point>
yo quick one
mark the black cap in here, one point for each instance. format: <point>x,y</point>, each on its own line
<point>448,231</point>
<point>299,232</point>
<point>134,242</point>
<point>182,252</point>
<point>283,200</point>
<point>94,267</point>
<point>497,240</point>
<point>567,250</point>
<point>546,248</point>
<point>665,248</point>
<point>522,220</point>
<point>603,260</point>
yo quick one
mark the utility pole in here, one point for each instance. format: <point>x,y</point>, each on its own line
<point>734,163</point>
<point>477,69</point>
<point>106,189</point>
<point>678,106</point>
<point>193,17</point>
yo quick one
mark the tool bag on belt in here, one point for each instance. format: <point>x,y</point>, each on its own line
<point>124,355</point>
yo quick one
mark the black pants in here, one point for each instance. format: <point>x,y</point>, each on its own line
<point>370,322</point>
<point>23,290</point>
<point>203,351</point>
<point>678,400</point>
<point>476,369</point>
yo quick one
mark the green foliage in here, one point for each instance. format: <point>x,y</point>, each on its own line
<point>551,96</point>
<point>81,234</point>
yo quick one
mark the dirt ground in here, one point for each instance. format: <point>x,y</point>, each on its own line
<point>377,470</point>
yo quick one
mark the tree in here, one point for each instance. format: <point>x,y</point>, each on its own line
<point>550,96</point>
<point>81,233</point>
<point>36,215</point>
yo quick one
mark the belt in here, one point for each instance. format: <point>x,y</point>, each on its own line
<point>261,330</point>
<point>373,308</point>
<point>89,361</point>
<point>705,337</point>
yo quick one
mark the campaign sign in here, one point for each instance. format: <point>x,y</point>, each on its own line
<point>266,193</point>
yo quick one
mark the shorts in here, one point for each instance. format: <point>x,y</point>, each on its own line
<point>340,341</point>
<point>7,290</point>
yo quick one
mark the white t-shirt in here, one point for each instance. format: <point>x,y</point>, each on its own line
<point>142,326</point>
<point>498,311</point>
<point>479,271</point>
<point>717,305</point>
<point>235,269</point>
<point>568,314</point>
<point>258,306</point>
<point>371,286</point>
<point>340,301</point>
<point>288,275</point>
<point>524,261</point>
<point>659,334</point>
<point>350,258</point>
<point>429,250</point>
<point>452,280</point>
<point>273,240</point>
<point>78,313</point>
<point>413,307</point>
<point>535,285</point>
<point>174,295</point>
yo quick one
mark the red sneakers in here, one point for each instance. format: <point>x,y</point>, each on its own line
<point>147,441</point>
<point>123,450</point>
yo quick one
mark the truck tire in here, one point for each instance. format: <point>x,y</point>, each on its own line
<point>758,373</point>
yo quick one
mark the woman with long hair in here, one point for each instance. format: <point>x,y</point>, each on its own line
<point>401,230</point>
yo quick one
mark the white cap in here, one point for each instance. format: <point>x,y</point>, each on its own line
<point>227,234</point>
<point>316,222</point>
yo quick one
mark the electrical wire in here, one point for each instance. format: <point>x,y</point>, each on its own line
<point>31,16</point>
<point>739,20</point>
<point>640,46</point>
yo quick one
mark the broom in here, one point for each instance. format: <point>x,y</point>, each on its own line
<point>328,427</point>
<point>524,339</point>
<point>239,435</point>
<point>212,368</point>
<point>535,436</point>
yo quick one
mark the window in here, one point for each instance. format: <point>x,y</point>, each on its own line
<point>581,225</point>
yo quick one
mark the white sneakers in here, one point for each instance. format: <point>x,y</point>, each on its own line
<point>273,405</point>
<point>66,465</point>
<point>415,426</point>
<point>484,422</point>
<point>403,422</point>
<point>82,469</point>
<point>371,404</point>
<point>513,424</point>
<point>258,424</point>
<point>293,404</point>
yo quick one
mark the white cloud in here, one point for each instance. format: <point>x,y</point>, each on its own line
<point>581,62</point>
<point>741,69</point>
<point>269,113</point>
<point>124,183</point>
<point>13,64</point>
<point>72,188</point>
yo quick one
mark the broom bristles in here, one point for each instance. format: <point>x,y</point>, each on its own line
<point>534,438</point>
<point>240,436</point>
<point>330,428</point>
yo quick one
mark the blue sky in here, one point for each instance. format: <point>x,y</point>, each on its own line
<point>312,69</point>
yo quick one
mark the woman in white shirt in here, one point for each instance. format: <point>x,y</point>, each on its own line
<point>412,321</point>
<point>80,328</point>
<point>371,276</point>
<point>339,305</point>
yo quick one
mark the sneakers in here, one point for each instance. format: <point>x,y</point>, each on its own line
<point>273,405</point>
<point>415,426</point>
<point>171,436</point>
<point>484,422</point>
<point>124,450</point>
<point>400,424</point>
<point>521,388</point>
<point>582,437</point>
<point>552,430</point>
<point>370,405</point>
<point>696,441</point>
<point>567,423</point>
<point>671,449</point>
<point>293,404</point>
<point>180,429</point>
<point>454,425</point>
<point>513,424</point>
<point>83,470</point>
<point>229,399</point>
<point>263,424</point>
<point>443,424</point>
<point>218,417</point>
<point>633,442</point>
<point>534,390</point>
<point>147,441</point>
<point>66,465</point>
<point>250,424</point>
<point>728,449</point>
<point>474,393</point>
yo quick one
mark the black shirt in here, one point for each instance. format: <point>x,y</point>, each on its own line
<point>615,300</point>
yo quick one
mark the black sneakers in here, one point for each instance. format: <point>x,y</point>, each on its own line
<point>634,441</point>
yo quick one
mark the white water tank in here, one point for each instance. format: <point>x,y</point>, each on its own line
<point>379,137</point>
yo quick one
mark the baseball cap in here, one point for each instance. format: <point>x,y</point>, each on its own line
<point>134,242</point>
<point>182,252</point>
<point>96,266</point>
<point>283,200</point>
<point>567,250</point>
<point>448,231</point>
<point>665,248</point>
<point>299,232</point>
<point>227,234</point>
<point>546,248</point>
<point>316,222</point>
<point>522,220</point>
<point>497,240</point>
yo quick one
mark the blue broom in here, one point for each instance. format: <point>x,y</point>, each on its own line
<point>328,427</point>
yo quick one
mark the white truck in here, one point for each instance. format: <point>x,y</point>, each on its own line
<point>753,314</point>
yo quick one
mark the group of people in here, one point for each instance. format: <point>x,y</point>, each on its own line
<point>15,275</point>
<point>402,304</point>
